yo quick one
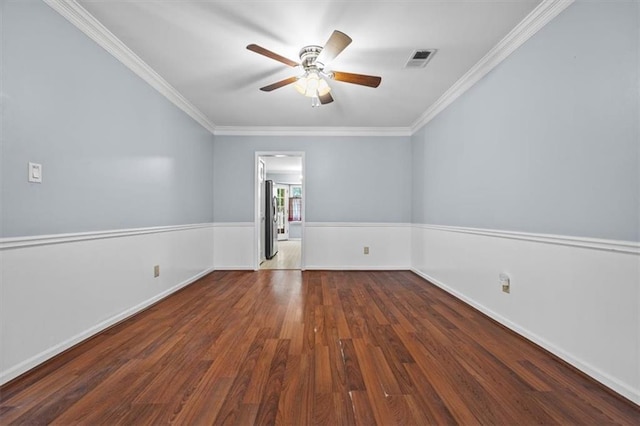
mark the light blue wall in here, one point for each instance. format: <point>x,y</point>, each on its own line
<point>547,142</point>
<point>295,230</point>
<point>115,153</point>
<point>347,179</point>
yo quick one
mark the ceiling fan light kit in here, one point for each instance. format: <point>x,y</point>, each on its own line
<point>313,60</point>
<point>312,85</point>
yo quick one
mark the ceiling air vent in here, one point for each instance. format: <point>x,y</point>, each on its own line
<point>419,58</point>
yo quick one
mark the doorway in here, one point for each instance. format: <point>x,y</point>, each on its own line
<point>279,212</point>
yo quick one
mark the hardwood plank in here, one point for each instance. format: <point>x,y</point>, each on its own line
<point>342,409</point>
<point>326,347</point>
<point>39,392</point>
<point>68,395</point>
<point>354,380</point>
<point>105,403</point>
<point>384,373</point>
<point>229,410</point>
<point>182,396</point>
<point>336,364</point>
<point>260,373</point>
<point>342,325</point>
<point>206,403</point>
<point>323,409</point>
<point>295,406</point>
<point>323,382</point>
<point>268,408</point>
<point>373,382</point>
<point>247,414</point>
<point>362,411</point>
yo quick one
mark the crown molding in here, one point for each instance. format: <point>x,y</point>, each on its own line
<point>531,24</point>
<point>312,131</point>
<point>89,25</point>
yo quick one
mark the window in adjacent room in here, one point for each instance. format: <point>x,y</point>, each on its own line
<point>295,204</point>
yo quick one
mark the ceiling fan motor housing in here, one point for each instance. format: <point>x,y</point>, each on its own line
<point>308,55</point>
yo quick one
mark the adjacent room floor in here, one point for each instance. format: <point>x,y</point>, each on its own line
<point>314,347</point>
<point>287,257</point>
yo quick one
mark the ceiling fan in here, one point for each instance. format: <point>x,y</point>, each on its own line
<point>312,81</point>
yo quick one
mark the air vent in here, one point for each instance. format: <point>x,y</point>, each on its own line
<point>419,58</point>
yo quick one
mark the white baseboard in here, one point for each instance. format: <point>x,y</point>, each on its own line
<point>576,299</point>
<point>586,368</point>
<point>58,290</point>
<point>355,268</point>
<point>235,268</point>
<point>45,355</point>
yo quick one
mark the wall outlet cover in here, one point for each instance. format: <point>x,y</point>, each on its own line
<point>505,282</point>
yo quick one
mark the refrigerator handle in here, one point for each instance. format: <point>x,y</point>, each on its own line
<point>273,206</point>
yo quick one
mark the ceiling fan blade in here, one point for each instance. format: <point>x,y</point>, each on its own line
<point>326,99</point>
<point>269,54</point>
<point>361,79</point>
<point>332,48</point>
<point>279,84</point>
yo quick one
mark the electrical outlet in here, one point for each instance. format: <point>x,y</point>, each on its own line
<point>366,250</point>
<point>156,271</point>
<point>505,282</point>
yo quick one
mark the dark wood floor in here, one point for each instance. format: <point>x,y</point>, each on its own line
<point>309,348</point>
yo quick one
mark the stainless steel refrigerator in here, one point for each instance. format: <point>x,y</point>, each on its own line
<point>271,221</point>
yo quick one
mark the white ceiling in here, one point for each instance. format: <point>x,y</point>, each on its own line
<point>199,48</point>
<point>283,164</point>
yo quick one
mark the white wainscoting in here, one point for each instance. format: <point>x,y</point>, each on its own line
<point>233,245</point>
<point>578,298</point>
<point>58,290</point>
<point>340,246</point>
<point>327,245</point>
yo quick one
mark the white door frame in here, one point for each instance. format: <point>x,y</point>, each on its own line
<point>261,209</point>
<point>256,207</point>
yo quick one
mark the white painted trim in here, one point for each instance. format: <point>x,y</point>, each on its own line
<point>312,131</point>
<point>43,356</point>
<point>256,208</point>
<point>233,224</point>
<point>531,24</point>
<point>235,268</point>
<point>357,225</point>
<point>588,369</point>
<point>39,240</point>
<point>85,22</point>
<point>356,268</point>
<point>256,211</point>
<point>628,247</point>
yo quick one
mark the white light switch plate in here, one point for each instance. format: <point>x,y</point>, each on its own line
<point>35,172</point>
